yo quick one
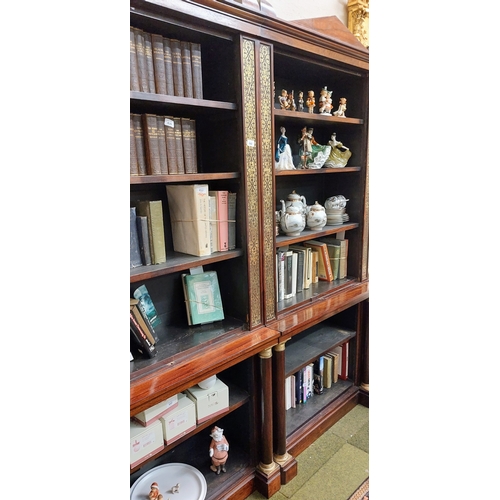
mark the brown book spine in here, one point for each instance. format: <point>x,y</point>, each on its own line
<point>193,146</point>
<point>170,142</point>
<point>134,71</point>
<point>187,146</point>
<point>169,72</point>
<point>196,69</point>
<point>177,67</point>
<point>187,71</point>
<point>159,64</point>
<point>148,50</point>
<point>141,60</point>
<point>150,127</point>
<point>179,149</point>
<point>162,145</point>
<point>134,167</point>
<point>139,144</point>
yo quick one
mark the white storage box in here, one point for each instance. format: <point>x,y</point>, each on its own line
<point>144,441</point>
<point>180,421</point>
<point>152,414</point>
<point>209,402</point>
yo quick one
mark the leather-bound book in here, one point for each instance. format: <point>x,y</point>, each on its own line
<point>139,144</point>
<point>134,168</point>
<point>187,71</point>
<point>231,204</point>
<point>159,64</point>
<point>179,149</point>
<point>134,70</point>
<point>196,69</point>
<point>135,254</point>
<point>177,67</point>
<point>162,145</point>
<point>150,128</point>
<point>170,142</point>
<point>148,50</point>
<point>189,145</point>
<point>169,72</point>
<point>143,232</point>
<point>141,60</point>
<point>153,210</point>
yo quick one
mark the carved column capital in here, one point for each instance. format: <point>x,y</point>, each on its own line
<point>358,16</point>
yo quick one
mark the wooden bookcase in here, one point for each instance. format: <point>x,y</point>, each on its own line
<point>246,53</point>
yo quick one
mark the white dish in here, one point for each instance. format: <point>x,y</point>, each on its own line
<point>193,485</point>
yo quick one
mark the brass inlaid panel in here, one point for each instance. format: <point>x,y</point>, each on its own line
<point>251,174</point>
<point>267,155</point>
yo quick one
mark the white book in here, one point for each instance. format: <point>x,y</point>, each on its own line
<point>294,273</point>
<point>288,393</point>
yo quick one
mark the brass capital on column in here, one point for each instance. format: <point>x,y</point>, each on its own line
<point>268,469</point>
<point>266,353</point>
<point>282,459</point>
<point>365,387</point>
<point>281,346</point>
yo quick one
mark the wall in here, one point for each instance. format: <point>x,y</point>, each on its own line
<point>290,10</point>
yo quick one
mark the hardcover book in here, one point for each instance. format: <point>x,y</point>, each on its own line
<point>203,299</point>
<point>334,252</point>
<point>141,339</point>
<point>162,144</point>
<point>324,268</point>
<point>188,127</point>
<point>143,232</point>
<point>134,71</point>
<point>179,147</point>
<point>134,167</point>
<point>141,60</point>
<point>189,208</point>
<point>159,64</point>
<point>145,325</point>
<point>153,210</point>
<point>344,246</point>
<point>150,127</point>
<point>147,307</point>
<point>318,374</point>
<point>222,208</point>
<point>169,74</point>
<point>327,370</point>
<point>139,144</point>
<point>135,253</point>
<point>231,208</point>
<point>214,230</point>
<point>169,126</point>
<point>196,68</point>
<point>148,50</point>
<point>187,71</point>
<point>280,256</point>
<point>175,46</point>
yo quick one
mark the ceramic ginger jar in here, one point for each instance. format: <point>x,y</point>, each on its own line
<point>316,217</point>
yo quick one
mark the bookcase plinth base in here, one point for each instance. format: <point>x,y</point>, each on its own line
<point>288,467</point>
<point>268,479</point>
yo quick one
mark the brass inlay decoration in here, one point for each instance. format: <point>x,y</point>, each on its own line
<point>267,155</point>
<point>358,16</point>
<point>266,353</point>
<point>251,146</point>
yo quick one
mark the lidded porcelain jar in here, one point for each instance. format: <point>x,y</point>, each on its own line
<point>296,200</point>
<point>292,221</point>
<point>316,217</point>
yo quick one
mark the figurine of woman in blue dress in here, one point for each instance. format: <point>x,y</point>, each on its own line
<point>284,160</point>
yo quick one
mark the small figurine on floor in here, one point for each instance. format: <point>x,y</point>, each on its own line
<point>342,107</point>
<point>176,488</point>
<point>301,101</point>
<point>311,101</point>
<point>155,494</point>
<point>218,450</point>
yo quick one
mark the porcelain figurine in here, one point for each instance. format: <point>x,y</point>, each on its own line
<point>155,494</point>
<point>312,154</point>
<point>311,101</point>
<point>316,217</point>
<point>339,154</point>
<point>322,100</point>
<point>328,104</point>
<point>218,450</point>
<point>283,99</point>
<point>342,107</point>
<point>295,200</point>
<point>301,101</point>
<point>293,221</point>
<point>283,157</point>
<point>176,488</point>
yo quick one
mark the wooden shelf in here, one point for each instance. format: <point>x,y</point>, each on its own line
<point>308,118</point>
<point>308,234</point>
<point>181,103</point>
<point>317,171</point>
<point>167,179</point>
<point>177,262</point>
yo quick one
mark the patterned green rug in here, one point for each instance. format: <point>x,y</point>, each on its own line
<point>362,492</point>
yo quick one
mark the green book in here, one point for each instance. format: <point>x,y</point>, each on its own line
<point>203,299</point>
<point>334,252</point>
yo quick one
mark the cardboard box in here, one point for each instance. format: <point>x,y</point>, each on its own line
<point>150,415</point>
<point>179,421</point>
<point>209,402</point>
<point>144,441</point>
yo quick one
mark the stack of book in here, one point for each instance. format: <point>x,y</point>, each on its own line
<point>161,145</point>
<point>147,233</point>
<point>143,321</point>
<point>161,65</point>
<point>317,376</point>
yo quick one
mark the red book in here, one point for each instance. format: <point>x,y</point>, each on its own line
<point>221,201</point>
<point>345,362</point>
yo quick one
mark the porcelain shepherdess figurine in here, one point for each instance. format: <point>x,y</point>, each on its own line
<point>284,159</point>
<point>218,450</point>
<point>312,154</point>
<point>339,154</point>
